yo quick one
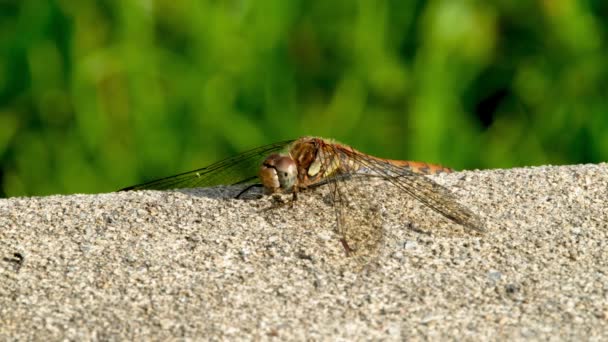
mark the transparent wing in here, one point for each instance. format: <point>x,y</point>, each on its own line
<point>242,168</point>
<point>418,186</point>
<point>357,222</point>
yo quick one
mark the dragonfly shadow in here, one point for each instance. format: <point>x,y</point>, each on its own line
<point>256,191</point>
<point>247,192</point>
<point>253,191</point>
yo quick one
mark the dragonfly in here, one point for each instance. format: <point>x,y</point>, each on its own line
<point>293,166</point>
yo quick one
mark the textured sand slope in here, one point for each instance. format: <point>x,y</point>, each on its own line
<point>198,264</point>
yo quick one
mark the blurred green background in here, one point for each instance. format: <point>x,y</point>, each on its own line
<point>98,95</point>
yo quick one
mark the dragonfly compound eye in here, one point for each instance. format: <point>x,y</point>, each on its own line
<point>287,172</point>
<point>278,173</point>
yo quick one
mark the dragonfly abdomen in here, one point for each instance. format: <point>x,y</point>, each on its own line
<point>368,165</point>
<point>420,167</point>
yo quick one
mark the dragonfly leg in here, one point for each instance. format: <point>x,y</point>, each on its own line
<point>244,191</point>
<point>279,202</point>
<point>347,248</point>
<point>294,196</point>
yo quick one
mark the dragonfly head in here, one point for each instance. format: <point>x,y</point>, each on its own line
<point>278,173</point>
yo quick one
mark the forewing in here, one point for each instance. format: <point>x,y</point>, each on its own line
<point>424,190</point>
<point>242,168</point>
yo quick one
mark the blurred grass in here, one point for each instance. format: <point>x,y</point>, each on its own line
<point>98,95</point>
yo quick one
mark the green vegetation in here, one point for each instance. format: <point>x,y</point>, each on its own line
<point>97,95</point>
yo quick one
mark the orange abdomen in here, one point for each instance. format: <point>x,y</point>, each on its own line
<point>420,167</point>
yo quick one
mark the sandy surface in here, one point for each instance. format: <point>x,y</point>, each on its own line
<point>158,265</point>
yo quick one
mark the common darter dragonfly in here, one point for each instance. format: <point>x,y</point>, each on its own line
<point>293,166</point>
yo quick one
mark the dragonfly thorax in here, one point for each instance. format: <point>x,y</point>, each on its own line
<point>278,173</point>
